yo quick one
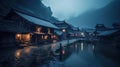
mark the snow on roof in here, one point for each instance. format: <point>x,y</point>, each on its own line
<point>36,20</point>
<point>104,33</point>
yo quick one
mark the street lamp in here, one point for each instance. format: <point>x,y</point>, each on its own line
<point>82,34</point>
<point>63,30</point>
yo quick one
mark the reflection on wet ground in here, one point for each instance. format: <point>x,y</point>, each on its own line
<point>78,54</point>
<point>26,57</point>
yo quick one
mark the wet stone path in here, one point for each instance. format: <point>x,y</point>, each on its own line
<point>78,54</point>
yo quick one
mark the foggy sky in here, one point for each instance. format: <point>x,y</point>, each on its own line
<point>67,9</point>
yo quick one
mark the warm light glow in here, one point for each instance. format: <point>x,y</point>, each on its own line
<point>18,36</point>
<point>27,37</point>
<point>49,31</point>
<point>64,30</point>
<point>18,53</point>
<point>54,37</point>
<point>63,51</point>
<point>27,50</point>
<point>38,30</point>
<point>23,37</point>
<point>45,37</point>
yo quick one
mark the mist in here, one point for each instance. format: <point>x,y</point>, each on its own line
<point>67,9</point>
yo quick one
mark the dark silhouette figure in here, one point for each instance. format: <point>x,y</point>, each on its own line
<point>60,56</point>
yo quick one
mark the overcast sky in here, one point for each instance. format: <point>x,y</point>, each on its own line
<point>66,9</point>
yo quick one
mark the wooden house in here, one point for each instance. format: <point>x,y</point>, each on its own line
<point>22,26</point>
<point>65,29</point>
<point>42,31</point>
<point>11,28</point>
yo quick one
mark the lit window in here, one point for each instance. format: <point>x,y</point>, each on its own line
<point>23,37</point>
<point>45,37</point>
<point>48,31</point>
<point>18,36</point>
<point>39,29</point>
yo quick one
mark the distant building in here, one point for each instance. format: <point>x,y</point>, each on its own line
<point>63,26</point>
<point>100,27</point>
<point>75,32</point>
<point>116,25</point>
<point>67,31</point>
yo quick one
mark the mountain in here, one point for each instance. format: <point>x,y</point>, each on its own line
<point>38,8</point>
<point>34,6</point>
<point>5,6</point>
<point>106,15</point>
